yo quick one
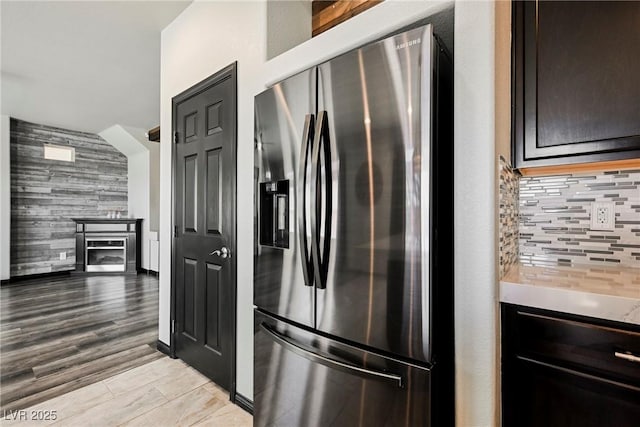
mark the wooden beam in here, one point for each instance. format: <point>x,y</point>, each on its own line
<point>318,6</point>
<point>614,165</point>
<point>154,134</point>
<point>328,14</point>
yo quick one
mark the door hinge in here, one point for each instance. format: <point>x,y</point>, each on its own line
<point>175,231</point>
<point>173,326</point>
<point>175,137</point>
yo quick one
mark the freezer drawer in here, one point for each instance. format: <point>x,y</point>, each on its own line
<point>303,379</point>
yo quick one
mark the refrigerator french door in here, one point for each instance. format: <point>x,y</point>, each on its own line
<point>346,219</point>
<point>374,286</point>
<point>284,118</point>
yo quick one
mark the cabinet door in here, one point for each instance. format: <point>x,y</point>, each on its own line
<point>541,394</point>
<point>576,81</point>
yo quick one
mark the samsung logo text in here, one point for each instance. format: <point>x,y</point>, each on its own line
<point>407,44</point>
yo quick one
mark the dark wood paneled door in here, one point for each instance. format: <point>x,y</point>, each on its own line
<point>204,120</point>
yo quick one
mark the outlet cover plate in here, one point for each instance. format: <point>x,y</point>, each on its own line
<point>603,216</point>
<point>63,256</point>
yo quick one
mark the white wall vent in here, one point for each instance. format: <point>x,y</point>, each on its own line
<point>59,152</point>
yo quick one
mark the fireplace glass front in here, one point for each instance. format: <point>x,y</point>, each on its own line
<point>105,254</point>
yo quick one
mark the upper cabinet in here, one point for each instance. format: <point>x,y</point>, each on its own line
<point>576,82</point>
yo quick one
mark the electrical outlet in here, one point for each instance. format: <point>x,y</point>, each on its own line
<point>603,216</point>
<point>63,256</point>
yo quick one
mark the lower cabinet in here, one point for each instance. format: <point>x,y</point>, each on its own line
<point>564,370</point>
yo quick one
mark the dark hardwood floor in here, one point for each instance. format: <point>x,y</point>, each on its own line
<point>61,333</point>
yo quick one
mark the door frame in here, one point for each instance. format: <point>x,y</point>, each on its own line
<point>228,72</point>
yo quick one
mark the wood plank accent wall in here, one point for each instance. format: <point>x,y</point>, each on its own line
<point>328,14</point>
<point>46,194</point>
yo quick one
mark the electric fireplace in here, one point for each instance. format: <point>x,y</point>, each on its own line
<point>106,245</point>
<point>105,254</point>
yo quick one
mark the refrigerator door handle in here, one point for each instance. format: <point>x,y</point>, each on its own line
<point>329,362</point>
<point>322,143</point>
<point>307,134</point>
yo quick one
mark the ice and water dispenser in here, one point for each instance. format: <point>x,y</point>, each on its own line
<point>274,213</point>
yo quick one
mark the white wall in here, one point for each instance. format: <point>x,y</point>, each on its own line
<point>476,304</point>
<point>139,140</point>
<point>145,192</point>
<point>154,186</point>
<point>205,38</point>
<point>288,25</point>
<point>5,197</point>
<point>209,36</point>
<point>138,201</point>
<point>143,157</point>
<point>5,188</point>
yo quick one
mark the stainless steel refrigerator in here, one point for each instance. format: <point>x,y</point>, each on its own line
<point>353,287</point>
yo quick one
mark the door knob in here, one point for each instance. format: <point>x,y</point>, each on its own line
<point>223,252</point>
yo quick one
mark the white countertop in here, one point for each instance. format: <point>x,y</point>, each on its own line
<point>611,293</point>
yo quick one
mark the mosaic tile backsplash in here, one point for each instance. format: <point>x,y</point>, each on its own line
<point>555,214</point>
<point>508,213</point>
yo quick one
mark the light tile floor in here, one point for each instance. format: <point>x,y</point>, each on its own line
<point>165,392</point>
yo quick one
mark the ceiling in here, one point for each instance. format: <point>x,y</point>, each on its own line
<point>83,65</point>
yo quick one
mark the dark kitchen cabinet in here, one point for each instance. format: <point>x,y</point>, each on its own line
<point>565,370</point>
<point>575,82</point>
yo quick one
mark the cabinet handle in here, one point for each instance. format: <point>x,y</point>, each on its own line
<point>627,356</point>
<point>580,374</point>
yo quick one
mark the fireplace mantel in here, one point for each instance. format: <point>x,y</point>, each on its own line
<point>107,220</point>
<point>126,230</point>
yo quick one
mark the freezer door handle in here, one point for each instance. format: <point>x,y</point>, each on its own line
<point>329,362</point>
<point>320,256</point>
<point>305,154</point>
